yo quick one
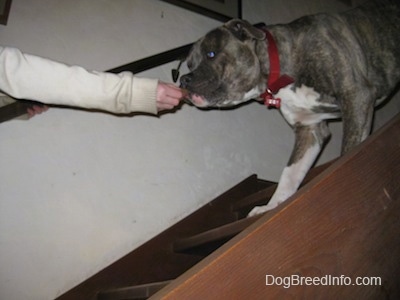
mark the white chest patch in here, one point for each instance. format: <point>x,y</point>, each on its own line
<point>301,105</point>
<point>252,94</point>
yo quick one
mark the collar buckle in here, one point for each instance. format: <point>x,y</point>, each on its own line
<point>270,101</point>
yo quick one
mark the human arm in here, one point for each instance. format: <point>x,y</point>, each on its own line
<point>25,76</point>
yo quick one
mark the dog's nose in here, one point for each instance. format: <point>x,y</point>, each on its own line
<point>185,80</point>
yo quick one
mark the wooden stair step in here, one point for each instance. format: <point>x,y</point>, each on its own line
<point>262,197</point>
<point>136,292</point>
<point>258,198</point>
<point>213,236</point>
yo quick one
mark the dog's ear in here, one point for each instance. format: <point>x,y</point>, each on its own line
<point>243,30</point>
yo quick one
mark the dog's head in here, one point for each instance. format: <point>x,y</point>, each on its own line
<point>225,68</point>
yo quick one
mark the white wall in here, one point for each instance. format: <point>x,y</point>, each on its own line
<point>79,190</point>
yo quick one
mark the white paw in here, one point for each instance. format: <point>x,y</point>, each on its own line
<point>261,209</point>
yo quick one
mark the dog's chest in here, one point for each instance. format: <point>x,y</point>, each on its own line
<point>302,105</point>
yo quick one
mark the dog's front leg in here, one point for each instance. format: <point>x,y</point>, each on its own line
<point>308,144</point>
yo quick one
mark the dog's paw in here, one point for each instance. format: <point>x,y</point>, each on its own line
<point>261,209</point>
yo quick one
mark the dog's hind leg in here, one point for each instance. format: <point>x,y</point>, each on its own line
<point>308,144</point>
<point>357,122</point>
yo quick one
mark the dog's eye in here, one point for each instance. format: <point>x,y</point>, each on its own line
<point>211,54</point>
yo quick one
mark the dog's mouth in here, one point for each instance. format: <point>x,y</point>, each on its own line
<point>201,102</point>
<point>212,97</point>
<point>198,93</point>
<point>196,99</point>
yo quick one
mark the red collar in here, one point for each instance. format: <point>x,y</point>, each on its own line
<point>275,80</point>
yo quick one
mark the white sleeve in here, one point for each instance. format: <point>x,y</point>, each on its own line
<point>25,76</point>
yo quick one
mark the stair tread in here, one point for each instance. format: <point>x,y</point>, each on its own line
<point>261,197</point>
<point>142,291</point>
<point>215,234</point>
<point>255,198</point>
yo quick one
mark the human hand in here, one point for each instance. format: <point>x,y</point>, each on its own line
<point>168,95</point>
<point>36,109</point>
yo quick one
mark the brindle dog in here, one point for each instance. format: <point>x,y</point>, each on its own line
<point>338,66</point>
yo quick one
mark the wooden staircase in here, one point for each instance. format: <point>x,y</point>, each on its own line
<point>162,259</point>
<point>346,222</point>
<point>155,264</point>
